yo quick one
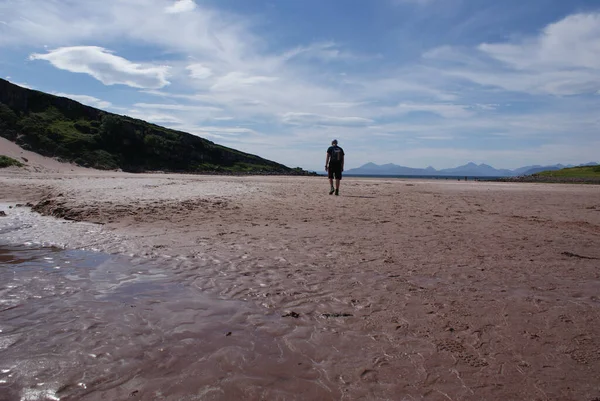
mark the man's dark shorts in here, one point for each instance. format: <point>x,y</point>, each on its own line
<point>335,171</point>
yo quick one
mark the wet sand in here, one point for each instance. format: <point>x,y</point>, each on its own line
<point>397,289</point>
<point>87,326</point>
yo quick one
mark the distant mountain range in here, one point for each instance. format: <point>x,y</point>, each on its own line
<point>469,169</point>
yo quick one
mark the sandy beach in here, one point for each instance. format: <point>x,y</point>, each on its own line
<point>395,290</point>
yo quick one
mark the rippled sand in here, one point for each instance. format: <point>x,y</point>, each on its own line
<point>85,326</point>
<point>397,289</point>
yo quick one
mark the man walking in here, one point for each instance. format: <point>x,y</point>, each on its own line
<point>334,165</point>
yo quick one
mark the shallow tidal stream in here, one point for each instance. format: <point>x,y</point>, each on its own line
<point>80,325</point>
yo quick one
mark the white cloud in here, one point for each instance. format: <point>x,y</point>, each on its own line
<point>563,60</point>
<point>488,106</point>
<point>573,42</point>
<point>342,105</point>
<point>402,84</point>
<point>237,79</point>
<point>444,110</point>
<point>191,97</point>
<point>326,51</point>
<point>178,107</point>
<point>224,134</point>
<point>199,71</point>
<point>316,119</point>
<point>561,83</point>
<point>85,99</point>
<point>157,118</point>
<point>436,137</point>
<point>181,6</point>
<point>106,67</point>
<point>23,85</point>
<point>229,130</point>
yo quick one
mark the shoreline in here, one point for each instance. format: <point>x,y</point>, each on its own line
<point>426,277</point>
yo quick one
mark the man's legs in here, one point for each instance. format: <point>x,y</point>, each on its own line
<point>335,171</point>
<point>338,178</point>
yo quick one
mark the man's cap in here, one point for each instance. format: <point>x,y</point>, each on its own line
<point>334,142</point>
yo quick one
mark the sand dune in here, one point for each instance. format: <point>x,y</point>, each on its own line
<point>35,162</point>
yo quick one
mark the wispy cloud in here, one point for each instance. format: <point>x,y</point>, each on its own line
<point>564,59</point>
<point>237,79</point>
<point>23,85</point>
<point>154,117</point>
<point>199,71</point>
<point>444,110</point>
<point>342,105</point>
<point>105,66</point>
<point>316,119</point>
<point>181,6</point>
<point>86,99</point>
<point>179,107</point>
<point>573,42</point>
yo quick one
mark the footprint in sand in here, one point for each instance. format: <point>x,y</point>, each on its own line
<point>460,352</point>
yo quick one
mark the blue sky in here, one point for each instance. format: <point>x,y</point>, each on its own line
<point>411,82</point>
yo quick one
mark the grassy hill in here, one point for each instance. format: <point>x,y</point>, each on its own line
<point>65,129</point>
<point>573,172</point>
<point>571,175</point>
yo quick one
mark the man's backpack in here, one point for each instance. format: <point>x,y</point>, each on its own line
<point>337,154</point>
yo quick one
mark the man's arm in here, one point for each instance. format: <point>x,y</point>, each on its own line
<point>343,158</point>
<point>327,162</point>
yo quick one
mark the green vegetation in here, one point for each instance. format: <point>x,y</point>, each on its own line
<point>571,175</point>
<point>67,130</point>
<point>573,172</point>
<point>6,161</point>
